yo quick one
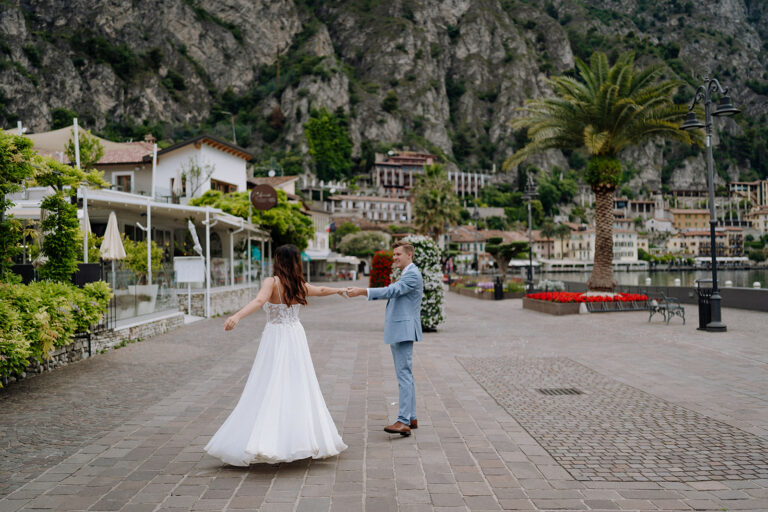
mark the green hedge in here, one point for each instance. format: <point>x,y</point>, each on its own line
<point>41,316</point>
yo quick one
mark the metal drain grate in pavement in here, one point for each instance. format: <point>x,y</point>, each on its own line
<point>559,391</point>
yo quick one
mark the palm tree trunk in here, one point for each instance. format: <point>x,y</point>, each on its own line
<point>602,271</point>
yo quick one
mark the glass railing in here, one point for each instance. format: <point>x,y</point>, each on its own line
<point>134,298</point>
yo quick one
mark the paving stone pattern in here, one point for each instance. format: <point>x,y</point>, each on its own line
<point>615,432</point>
<point>45,419</point>
<point>125,430</point>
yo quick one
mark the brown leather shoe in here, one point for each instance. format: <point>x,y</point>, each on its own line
<point>414,424</point>
<point>398,428</point>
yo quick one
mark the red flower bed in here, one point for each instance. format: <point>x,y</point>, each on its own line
<point>565,297</point>
<point>381,268</point>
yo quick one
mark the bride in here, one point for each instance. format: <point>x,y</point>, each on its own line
<point>281,415</point>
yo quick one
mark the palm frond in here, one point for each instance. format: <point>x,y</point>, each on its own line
<point>605,110</point>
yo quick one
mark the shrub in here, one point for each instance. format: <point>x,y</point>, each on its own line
<point>757,255</point>
<point>60,243</point>
<point>381,268</point>
<point>389,103</point>
<point>14,347</point>
<point>37,318</point>
<point>62,117</point>
<point>426,256</point>
<point>363,244</point>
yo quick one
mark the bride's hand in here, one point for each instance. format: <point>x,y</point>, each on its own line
<point>231,323</point>
<point>343,292</point>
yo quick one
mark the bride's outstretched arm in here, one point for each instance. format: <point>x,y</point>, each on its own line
<point>322,291</point>
<point>254,305</point>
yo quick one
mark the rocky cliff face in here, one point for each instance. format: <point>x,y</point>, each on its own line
<point>457,69</point>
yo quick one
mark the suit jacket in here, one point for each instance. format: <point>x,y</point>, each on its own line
<point>403,314</point>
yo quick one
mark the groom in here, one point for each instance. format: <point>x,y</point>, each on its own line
<point>402,327</point>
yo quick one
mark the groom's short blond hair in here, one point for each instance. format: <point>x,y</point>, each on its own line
<point>408,248</point>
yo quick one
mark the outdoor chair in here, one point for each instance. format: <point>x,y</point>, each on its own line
<point>667,307</point>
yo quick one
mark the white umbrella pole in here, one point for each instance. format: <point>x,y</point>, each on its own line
<point>85,206</point>
<point>85,224</point>
<point>154,169</point>
<point>207,262</point>
<point>113,277</point>
<point>232,252</point>
<point>149,241</point>
<point>77,143</point>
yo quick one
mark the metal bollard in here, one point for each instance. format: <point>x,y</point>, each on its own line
<point>647,281</point>
<point>677,281</point>
<point>756,284</point>
<point>729,283</point>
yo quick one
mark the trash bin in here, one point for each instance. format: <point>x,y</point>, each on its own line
<point>498,289</point>
<point>704,291</point>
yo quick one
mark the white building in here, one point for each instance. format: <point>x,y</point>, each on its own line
<point>200,164</point>
<point>583,245</point>
<point>658,225</point>
<point>319,247</point>
<point>759,219</point>
<point>372,208</point>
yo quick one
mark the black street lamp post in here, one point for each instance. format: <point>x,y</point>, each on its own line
<point>476,218</point>
<point>724,108</point>
<point>530,194</point>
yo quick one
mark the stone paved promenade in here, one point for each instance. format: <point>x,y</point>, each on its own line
<point>668,418</point>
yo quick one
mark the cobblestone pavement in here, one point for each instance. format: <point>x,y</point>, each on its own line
<point>125,430</point>
<point>604,430</point>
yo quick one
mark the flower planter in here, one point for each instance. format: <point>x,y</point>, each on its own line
<point>551,307</point>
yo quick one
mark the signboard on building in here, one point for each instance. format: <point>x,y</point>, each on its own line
<point>263,197</point>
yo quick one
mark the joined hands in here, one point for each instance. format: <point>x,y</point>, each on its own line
<point>351,291</point>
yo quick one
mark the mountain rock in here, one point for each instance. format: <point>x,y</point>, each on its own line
<point>441,76</point>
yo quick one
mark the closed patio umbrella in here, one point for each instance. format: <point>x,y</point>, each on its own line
<point>192,231</point>
<point>112,247</point>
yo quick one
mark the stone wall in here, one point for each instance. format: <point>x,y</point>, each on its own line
<point>222,300</point>
<point>109,339</point>
<point>75,351</point>
<point>78,349</point>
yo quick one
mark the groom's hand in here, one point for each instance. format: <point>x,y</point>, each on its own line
<point>356,292</point>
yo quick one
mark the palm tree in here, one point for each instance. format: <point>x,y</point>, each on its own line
<point>607,110</point>
<point>562,231</point>
<point>435,204</point>
<point>548,231</point>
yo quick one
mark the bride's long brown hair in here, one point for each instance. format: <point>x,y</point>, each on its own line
<point>288,270</point>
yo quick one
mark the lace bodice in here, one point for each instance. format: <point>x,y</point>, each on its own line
<point>282,313</point>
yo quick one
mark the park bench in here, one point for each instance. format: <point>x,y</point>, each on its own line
<point>667,307</point>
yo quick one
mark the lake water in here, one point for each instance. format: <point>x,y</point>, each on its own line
<point>740,278</point>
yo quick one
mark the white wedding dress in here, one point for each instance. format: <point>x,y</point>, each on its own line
<point>281,415</point>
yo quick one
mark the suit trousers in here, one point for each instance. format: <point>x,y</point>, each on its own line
<point>402,354</point>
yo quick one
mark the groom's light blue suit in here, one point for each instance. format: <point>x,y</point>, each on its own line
<point>402,326</point>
